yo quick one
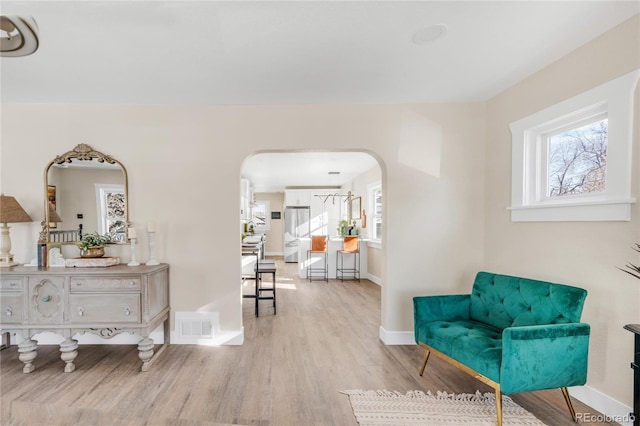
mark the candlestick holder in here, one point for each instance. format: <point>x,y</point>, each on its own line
<point>133,262</point>
<point>152,249</point>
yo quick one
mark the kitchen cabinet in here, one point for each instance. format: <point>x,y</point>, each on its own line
<point>246,199</point>
<point>297,197</point>
<point>324,211</point>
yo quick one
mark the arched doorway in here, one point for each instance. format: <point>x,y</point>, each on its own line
<point>323,181</point>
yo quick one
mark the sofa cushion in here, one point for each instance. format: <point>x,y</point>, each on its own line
<point>504,301</point>
<point>474,344</point>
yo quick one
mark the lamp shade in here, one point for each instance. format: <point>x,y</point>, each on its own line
<point>11,211</point>
<point>53,215</point>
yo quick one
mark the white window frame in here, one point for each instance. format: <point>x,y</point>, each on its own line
<point>267,209</point>
<point>543,179</point>
<point>371,189</point>
<point>528,200</point>
<point>101,190</point>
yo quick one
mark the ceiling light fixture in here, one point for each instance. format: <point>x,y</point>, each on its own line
<point>429,34</point>
<point>18,35</point>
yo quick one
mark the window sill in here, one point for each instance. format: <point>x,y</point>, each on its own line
<point>377,244</point>
<point>580,211</point>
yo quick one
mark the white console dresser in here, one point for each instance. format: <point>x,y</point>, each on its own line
<point>104,301</point>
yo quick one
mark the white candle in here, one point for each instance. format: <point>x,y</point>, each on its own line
<point>151,227</point>
<point>132,233</point>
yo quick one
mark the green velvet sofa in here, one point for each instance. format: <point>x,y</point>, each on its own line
<point>514,334</point>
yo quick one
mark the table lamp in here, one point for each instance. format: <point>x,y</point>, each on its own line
<point>10,212</point>
<point>54,217</point>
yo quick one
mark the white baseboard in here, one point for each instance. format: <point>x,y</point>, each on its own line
<point>222,338</point>
<point>613,410</point>
<point>397,337</point>
<point>374,279</point>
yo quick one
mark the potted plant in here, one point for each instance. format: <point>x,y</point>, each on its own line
<point>92,245</point>
<point>343,225</point>
<point>634,271</point>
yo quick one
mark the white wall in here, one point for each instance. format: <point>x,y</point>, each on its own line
<point>359,188</point>
<point>275,235</point>
<point>182,161</point>
<point>584,254</point>
<point>443,192</point>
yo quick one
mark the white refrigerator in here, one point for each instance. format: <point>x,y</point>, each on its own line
<point>297,224</point>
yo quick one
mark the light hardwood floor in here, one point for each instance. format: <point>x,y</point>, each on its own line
<point>289,371</point>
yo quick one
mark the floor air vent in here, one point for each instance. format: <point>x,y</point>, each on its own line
<point>196,327</point>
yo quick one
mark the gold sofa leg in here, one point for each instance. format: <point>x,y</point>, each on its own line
<point>424,361</point>
<point>499,406</point>
<point>483,379</point>
<point>567,398</point>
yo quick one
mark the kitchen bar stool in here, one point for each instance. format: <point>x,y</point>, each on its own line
<point>350,247</point>
<point>265,267</point>
<point>318,252</point>
<point>247,253</point>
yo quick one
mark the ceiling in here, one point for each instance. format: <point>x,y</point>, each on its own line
<point>272,172</point>
<point>296,52</point>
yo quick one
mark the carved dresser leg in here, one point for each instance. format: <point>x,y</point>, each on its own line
<point>145,346</point>
<point>68,353</point>
<point>28,353</point>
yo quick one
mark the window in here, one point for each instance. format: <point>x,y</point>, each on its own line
<point>260,215</point>
<point>572,161</point>
<point>577,159</point>
<point>375,207</point>
<point>111,210</point>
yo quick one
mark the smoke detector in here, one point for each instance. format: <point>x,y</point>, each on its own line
<point>429,34</point>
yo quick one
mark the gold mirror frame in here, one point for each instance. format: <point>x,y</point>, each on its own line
<point>82,152</point>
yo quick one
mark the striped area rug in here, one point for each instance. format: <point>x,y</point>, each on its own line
<point>381,407</point>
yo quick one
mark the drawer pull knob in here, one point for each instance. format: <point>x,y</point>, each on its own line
<point>80,311</point>
<point>9,311</point>
<point>78,284</point>
<point>46,298</point>
<point>132,283</point>
<point>127,311</point>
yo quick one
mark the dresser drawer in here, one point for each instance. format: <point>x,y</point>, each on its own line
<point>104,283</point>
<point>46,299</point>
<point>104,308</point>
<point>13,283</point>
<point>11,308</point>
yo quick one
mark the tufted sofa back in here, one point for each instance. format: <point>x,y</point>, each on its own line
<point>505,301</point>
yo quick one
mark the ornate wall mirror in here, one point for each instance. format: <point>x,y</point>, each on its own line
<point>85,191</point>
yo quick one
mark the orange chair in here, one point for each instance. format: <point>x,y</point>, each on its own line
<point>318,250</point>
<point>350,247</point>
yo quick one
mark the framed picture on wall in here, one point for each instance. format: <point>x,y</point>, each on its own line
<point>356,212</point>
